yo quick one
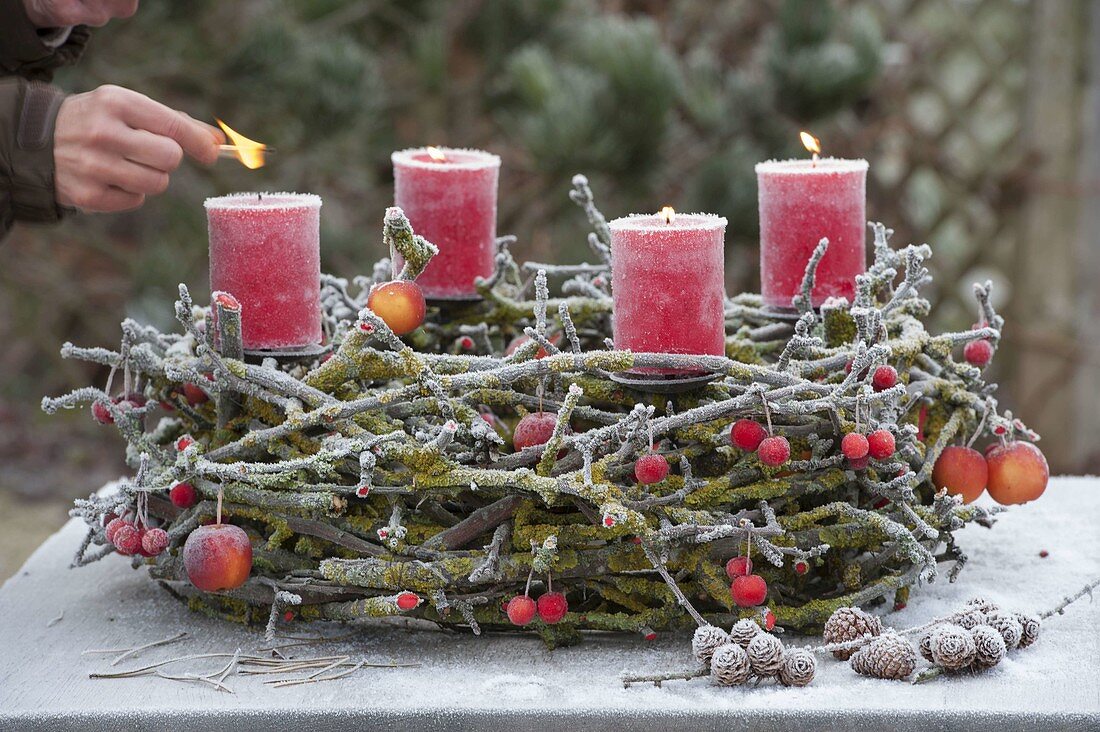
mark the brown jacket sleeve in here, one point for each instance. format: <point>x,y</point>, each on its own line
<point>26,51</point>
<point>28,111</point>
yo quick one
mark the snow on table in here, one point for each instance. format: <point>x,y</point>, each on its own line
<point>504,682</point>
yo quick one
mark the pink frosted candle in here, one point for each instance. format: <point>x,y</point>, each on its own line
<point>668,283</point>
<point>802,201</point>
<point>265,250</point>
<point>450,197</point>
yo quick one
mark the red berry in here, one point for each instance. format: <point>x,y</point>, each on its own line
<point>101,414</point>
<point>747,434</point>
<point>194,395</point>
<point>738,567</point>
<point>962,471</point>
<point>519,340</point>
<point>859,463</point>
<point>749,591</point>
<point>650,635</point>
<point>466,343</point>
<point>113,526</point>
<point>183,495</point>
<point>154,541</point>
<point>141,545</point>
<point>652,468</point>
<point>769,620</point>
<point>400,305</point>
<point>978,353</point>
<point>407,600</point>
<point>880,444</point>
<point>184,442</point>
<point>1044,553</point>
<point>854,446</point>
<point>552,607</point>
<point>774,451</point>
<point>288,616</point>
<point>125,405</point>
<point>127,539</point>
<point>884,378</point>
<point>848,369</point>
<point>801,567</point>
<point>227,301</point>
<point>521,610</point>
<point>534,429</point>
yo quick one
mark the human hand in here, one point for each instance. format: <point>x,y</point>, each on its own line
<point>61,13</point>
<point>114,146</point>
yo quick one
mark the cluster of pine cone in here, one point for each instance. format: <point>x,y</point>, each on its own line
<point>978,636</point>
<point>972,639</point>
<point>747,651</point>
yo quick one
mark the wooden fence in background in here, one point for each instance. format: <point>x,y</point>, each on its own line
<point>986,135</point>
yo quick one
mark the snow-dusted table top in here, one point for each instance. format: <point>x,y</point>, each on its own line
<point>512,683</point>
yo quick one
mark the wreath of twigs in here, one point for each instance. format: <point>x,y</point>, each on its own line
<point>385,465</point>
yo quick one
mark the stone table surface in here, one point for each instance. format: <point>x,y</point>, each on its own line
<point>509,682</point>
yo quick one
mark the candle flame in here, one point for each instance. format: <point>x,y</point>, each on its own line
<point>810,142</point>
<point>249,152</point>
<point>436,154</point>
<point>668,213</point>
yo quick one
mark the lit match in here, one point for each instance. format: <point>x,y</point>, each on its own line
<point>249,152</point>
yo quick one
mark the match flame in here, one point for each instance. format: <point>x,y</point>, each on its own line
<point>810,142</point>
<point>436,154</point>
<point>668,213</point>
<point>249,152</point>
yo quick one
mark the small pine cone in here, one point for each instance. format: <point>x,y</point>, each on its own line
<point>743,631</point>
<point>953,647</point>
<point>848,624</point>
<point>707,638</point>
<point>970,619</point>
<point>1031,625</point>
<point>887,657</point>
<point>1009,628</point>
<point>989,646</point>
<point>729,665</point>
<point>925,645</point>
<point>983,604</point>
<point>798,669</point>
<point>765,654</point>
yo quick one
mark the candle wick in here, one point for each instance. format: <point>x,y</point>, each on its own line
<point>814,164</point>
<point>260,196</point>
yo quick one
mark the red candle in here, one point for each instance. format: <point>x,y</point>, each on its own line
<point>450,197</point>
<point>668,283</point>
<point>802,201</point>
<point>265,250</point>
